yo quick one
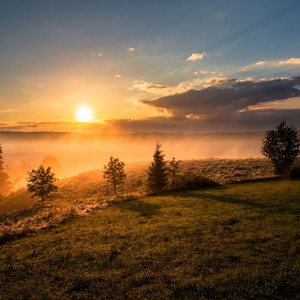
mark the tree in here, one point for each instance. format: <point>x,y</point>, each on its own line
<point>157,172</point>
<point>40,182</point>
<point>172,170</point>
<point>281,146</point>
<point>4,182</point>
<point>114,173</point>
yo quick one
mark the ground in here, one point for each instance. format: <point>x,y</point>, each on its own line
<point>238,241</point>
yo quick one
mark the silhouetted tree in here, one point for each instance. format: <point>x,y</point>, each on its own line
<point>281,146</point>
<point>157,172</point>
<point>4,178</point>
<point>40,182</point>
<point>172,170</point>
<point>114,173</point>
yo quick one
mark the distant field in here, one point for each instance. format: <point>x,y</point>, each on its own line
<point>240,241</point>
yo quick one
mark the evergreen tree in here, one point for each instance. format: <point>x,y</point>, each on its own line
<point>40,182</point>
<point>114,173</point>
<point>4,182</point>
<point>172,170</point>
<point>157,172</point>
<point>281,146</point>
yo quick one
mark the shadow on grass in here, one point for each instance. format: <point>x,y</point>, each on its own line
<point>207,195</point>
<point>230,199</point>
<point>142,208</point>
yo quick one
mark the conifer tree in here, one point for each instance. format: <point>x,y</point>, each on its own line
<point>157,172</point>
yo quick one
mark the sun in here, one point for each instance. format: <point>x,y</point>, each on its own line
<point>84,114</point>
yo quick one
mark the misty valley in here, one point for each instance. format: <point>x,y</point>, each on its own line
<point>69,154</point>
<point>201,217</point>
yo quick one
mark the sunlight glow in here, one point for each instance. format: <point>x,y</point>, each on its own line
<point>84,114</point>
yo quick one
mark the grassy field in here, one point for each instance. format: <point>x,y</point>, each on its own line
<point>239,241</point>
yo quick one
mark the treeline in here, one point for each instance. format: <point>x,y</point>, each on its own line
<point>162,175</point>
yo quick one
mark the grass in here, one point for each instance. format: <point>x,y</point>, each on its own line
<point>19,200</point>
<point>240,241</point>
<point>91,184</point>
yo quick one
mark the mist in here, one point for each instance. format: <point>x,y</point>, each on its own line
<point>76,153</point>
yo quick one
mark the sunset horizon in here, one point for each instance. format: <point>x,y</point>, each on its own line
<point>149,149</point>
<point>191,67</point>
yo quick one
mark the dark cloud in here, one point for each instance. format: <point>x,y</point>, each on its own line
<point>228,97</point>
<point>245,121</point>
<point>251,120</point>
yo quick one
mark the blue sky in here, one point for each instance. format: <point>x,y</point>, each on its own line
<point>122,58</point>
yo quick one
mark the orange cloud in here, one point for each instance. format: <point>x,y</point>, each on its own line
<point>196,56</point>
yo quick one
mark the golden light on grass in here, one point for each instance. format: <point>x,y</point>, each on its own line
<point>84,114</point>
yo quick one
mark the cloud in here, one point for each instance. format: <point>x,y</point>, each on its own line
<point>150,87</point>
<point>260,63</point>
<point>227,96</point>
<point>204,72</point>
<point>117,76</point>
<point>251,120</point>
<point>5,111</point>
<point>196,56</point>
<point>131,49</point>
<point>272,63</point>
<point>291,61</point>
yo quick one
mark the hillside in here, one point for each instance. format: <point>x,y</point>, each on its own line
<point>80,195</point>
<point>241,241</point>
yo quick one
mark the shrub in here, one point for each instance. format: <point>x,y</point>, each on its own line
<point>190,181</point>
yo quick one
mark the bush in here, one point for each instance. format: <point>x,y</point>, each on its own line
<point>192,181</point>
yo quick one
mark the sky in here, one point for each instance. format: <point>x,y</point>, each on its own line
<point>148,66</point>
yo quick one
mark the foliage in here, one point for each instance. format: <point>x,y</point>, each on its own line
<point>157,172</point>
<point>240,242</point>
<point>191,181</point>
<point>295,171</point>
<point>114,173</point>
<point>173,173</point>
<point>281,146</point>
<point>4,182</point>
<point>40,182</point>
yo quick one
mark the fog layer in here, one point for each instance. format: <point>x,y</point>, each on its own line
<point>75,153</point>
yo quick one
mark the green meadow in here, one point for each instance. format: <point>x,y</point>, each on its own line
<point>237,241</point>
